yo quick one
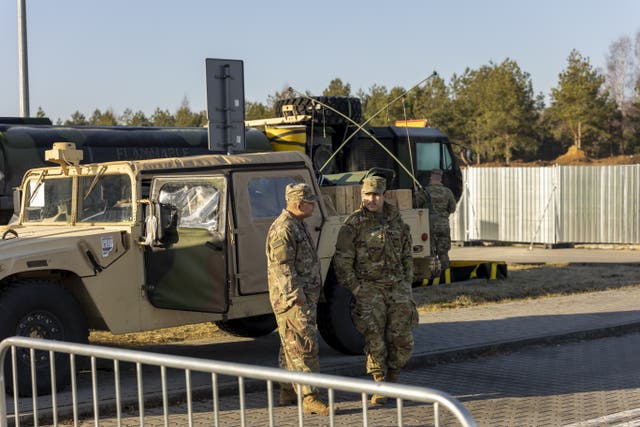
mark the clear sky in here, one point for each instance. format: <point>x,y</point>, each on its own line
<point>143,54</point>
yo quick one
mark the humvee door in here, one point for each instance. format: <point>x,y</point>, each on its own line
<point>258,198</point>
<point>191,274</point>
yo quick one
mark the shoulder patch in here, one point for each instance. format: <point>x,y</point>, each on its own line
<point>277,243</point>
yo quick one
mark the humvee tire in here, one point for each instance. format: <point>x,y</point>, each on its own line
<point>40,309</point>
<point>334,319</point>
<point>249,327</point>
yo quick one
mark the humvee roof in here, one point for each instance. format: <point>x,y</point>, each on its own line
<point>206,161</point>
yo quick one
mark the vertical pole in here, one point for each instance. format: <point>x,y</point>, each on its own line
<point>23,69</point>
<point>227,108</point>
<point>3,396</point>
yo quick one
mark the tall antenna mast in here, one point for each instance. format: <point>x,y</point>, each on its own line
<point>23,68</point>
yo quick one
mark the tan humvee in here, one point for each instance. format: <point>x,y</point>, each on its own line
<point>138,245</point>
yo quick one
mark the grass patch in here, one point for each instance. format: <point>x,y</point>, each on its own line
<point>528,282</point>
<point>158,336</point>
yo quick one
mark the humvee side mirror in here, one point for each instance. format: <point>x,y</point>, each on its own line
<point>160,224</point>
<point>167,233</point>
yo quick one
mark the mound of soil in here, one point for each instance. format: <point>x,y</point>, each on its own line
<point>573,156</point>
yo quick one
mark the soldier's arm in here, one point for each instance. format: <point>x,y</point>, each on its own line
<point>343,260</point>
<point>407,259</point>
<point>452,203</point>
<point>283,253</point>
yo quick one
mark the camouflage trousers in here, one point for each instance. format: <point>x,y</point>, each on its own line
<point>298,343</point>
<point>441,242</point>
<point>385,315</point>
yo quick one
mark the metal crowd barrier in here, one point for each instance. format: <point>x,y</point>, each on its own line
<point>11,347</point>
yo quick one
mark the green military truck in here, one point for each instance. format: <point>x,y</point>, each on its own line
<point>305,124</point>
<point>138,245</point>
<point>23,143</point>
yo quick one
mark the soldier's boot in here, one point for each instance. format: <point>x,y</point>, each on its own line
<point>444,261</point>
<point>287,397</point>
<point>312,405</point>
<point>436,268</point>
<point>378,399</point>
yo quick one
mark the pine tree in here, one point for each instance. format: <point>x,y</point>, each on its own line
<point>581,109</point>
<point>77,119</point>
<point>256,111</point>
<point>372,102</point>
<point>162,118</point>
<point>495,111</point>
<point>337,88</point>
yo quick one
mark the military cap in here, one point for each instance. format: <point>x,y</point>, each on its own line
<point>299,192</point>
<point>436,172</point>
<point>374,184</point>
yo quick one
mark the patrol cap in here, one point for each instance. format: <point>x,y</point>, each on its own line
<point>374,184</point>
<point>436,172</point>
<point>299,192</point>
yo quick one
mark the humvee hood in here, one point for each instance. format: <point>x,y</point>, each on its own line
<point>59,248</point>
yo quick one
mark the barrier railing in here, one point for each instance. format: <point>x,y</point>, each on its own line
<point>16,346</point>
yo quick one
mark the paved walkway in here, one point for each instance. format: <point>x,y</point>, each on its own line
<point>522,254</point>
<point>448,335</point>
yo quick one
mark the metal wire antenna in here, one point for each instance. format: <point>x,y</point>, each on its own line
<point>406,129</point>
<point>361,126</point>
<point>404,168</point>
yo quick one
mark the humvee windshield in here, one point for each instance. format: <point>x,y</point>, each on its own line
<point>48,199</point>
<point>102,198</point>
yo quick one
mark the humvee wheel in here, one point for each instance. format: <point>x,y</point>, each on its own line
<point>40,309</point>
<point>335,323</point>
<point>249,327</point>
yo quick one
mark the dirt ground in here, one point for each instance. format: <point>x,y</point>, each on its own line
<point>523,282</point>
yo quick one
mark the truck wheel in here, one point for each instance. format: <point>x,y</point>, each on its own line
<point>350,107</point>
<point>320,155</point>
<point>335,323</point>
<point>40,309</point>
<point>249,327</point>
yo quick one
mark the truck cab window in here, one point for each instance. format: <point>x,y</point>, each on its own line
<point>427,156</point>
<point>266,195</point>
<point>198,204</point>
<point>447,162</point>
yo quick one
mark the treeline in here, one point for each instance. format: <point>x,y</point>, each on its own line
<point>492,109</point>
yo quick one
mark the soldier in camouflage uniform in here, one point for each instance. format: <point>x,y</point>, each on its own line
<point>294,288</point>
<point>443,204</point>
<point>373,260</point>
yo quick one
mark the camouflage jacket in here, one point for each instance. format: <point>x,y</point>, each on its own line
<point>374,248</point>
<point>292,263</point>
<point>443,203</point>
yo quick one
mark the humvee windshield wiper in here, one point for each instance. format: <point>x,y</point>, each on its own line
<point>38,184</point>
<point>94,182</point>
